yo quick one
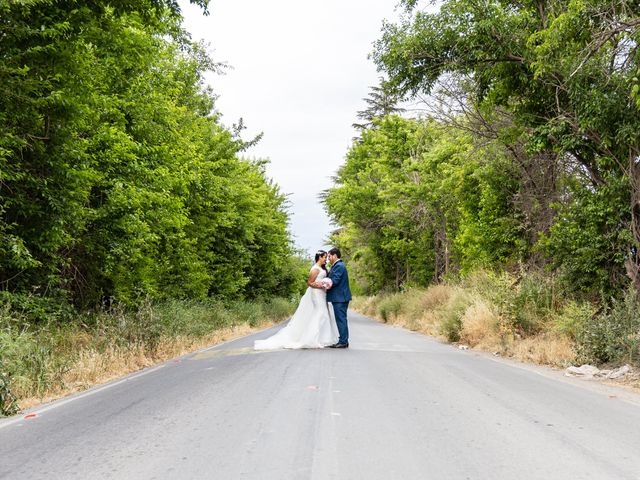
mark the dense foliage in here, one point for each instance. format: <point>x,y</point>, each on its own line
<point>117,179</point>
<point>418,201</point>
<point>528,157</point>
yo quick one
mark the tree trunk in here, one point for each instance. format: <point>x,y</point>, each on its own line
<point>441,266</point>
<point>631,264</point>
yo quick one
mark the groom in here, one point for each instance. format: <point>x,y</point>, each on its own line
<point>339,295</point>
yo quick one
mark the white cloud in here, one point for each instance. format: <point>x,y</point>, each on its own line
<point>300,72</point>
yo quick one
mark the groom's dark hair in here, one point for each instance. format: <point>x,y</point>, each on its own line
<point>335,251</point>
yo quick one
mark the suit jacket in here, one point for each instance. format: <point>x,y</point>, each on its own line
<point>339,291</point>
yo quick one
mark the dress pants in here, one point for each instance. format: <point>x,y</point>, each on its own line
<point>340,311</point>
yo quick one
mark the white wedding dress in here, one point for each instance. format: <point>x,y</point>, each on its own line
<point>311,326</point>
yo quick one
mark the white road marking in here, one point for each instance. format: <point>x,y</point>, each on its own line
<point>58,403</point>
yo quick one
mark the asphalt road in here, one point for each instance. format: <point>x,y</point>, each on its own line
<point>396,405</point>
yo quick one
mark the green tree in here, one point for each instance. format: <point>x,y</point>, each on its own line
<point>416,201</point>
<point>381,102</point>
<point>117,178</point>
<point>564,70</point>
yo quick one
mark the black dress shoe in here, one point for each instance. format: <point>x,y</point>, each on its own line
<point>341,345</point>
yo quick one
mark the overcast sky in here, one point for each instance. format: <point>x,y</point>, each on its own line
<point>300,72</point>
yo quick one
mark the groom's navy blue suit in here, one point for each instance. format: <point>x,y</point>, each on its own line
<point>340,295</point>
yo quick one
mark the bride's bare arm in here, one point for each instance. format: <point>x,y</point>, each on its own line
<point>311,281</point>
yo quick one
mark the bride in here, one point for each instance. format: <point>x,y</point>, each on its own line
<point>312,325</point>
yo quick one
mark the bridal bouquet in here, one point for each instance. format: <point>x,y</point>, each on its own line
<point>326,283</point>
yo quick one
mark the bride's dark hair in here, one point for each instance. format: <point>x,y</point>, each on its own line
<point>319,254</point>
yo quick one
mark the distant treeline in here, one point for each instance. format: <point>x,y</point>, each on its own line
<point>117,179</point>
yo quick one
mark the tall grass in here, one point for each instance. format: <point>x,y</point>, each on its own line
<point>44,360</point>
<point>525,318</point>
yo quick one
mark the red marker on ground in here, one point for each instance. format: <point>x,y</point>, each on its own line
<point>31,415</point>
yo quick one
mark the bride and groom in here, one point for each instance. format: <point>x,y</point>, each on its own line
<point>316,324</point>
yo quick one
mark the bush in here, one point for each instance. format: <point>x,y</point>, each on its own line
<point>532,304</point>
<point>480,325</point>
<point>613,337</point>
<point>572,318</point>
<point>496,289</point>
<point>35,308</point>
<point>192,318</point>
<point>390,307</point>
<point>452,315</point>
<point>527,302</point>
<point>451,327</point>
<point>251,313</point>
<point>280,308</point>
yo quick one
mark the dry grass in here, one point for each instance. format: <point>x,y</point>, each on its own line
<point>416,309</point>
<point>424,308</point>
<point>93,368</point>
<point>437,296</point>
<point>42,362</point>
<point>544,349</point>
<point>365,305</point>
<point>427,323</point>
<point>446,311</point>
<point>481,327</point>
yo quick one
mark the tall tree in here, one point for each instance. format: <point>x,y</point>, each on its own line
<point>417,201</point>
<point>565,71</point>
<point>381,102</point>
<point>117,178</point>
